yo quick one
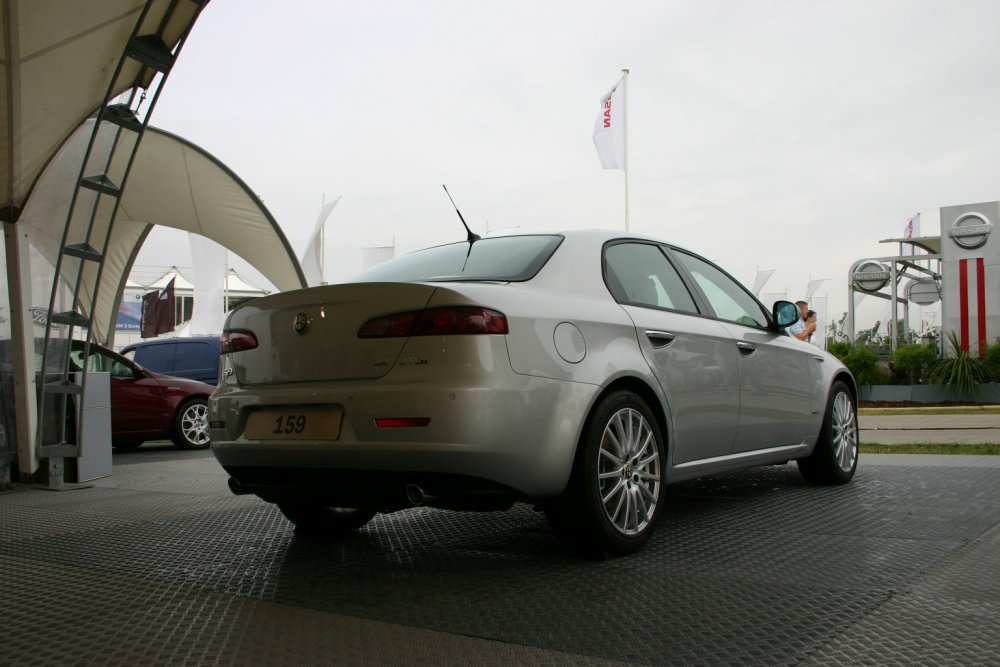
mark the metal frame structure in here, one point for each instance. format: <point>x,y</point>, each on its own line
<point>90,217</point>
<point>899,267</point>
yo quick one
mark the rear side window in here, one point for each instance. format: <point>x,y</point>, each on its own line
<point>194,356</point>
<point>503,258</point>
<point>156,357</point>
<point>640,274</point>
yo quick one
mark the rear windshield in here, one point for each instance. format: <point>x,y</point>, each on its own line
<point>502,258</point>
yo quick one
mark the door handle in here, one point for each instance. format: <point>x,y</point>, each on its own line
<point>745,348</point>
<point>660,338</point>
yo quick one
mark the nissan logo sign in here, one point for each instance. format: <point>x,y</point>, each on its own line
<point>970,231</point>
<point>871,277</point>
<point>923,292</point>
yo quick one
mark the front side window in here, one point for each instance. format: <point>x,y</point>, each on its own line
<point>98,361</point>
<point>501,258</point>
<point>728,298</point>
<point>640,274</point>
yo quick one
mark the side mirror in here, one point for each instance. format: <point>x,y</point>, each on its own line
<point>785,313</point>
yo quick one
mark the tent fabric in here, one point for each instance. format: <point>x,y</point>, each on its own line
<point>172,183</point>
<point>181,282</point>
<point>58,59</point>
<point>235,284</point>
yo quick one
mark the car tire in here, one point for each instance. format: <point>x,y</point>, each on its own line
<point>312,518</point>
<point>835,456</point>
<point>191,425</point>
<point>613,501</point>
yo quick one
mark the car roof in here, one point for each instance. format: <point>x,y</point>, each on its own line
<point>165,341</point>
<point>599,235</point>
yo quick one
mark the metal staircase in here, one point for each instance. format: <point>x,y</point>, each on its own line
<point>116,134</point>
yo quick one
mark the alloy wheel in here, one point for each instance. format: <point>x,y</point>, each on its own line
<point>194,424</point>
<point>629,471</point>
<point>845,432</point>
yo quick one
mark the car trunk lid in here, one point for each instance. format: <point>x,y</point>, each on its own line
<point>310,335</point>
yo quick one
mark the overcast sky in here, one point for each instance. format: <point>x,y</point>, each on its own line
<point>787,134</point>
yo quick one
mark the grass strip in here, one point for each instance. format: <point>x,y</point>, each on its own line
<point>970,410</point>
<point>932,448</point>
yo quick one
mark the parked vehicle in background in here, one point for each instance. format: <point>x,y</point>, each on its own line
<point>146,405</point>
<point>580,371</point>
<point>195,357</point>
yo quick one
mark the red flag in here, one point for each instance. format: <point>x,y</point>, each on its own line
<point>165,309</point>
<point>157,312</point>
<point>147,321</point>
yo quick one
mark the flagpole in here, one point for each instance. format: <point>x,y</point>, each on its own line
<point>322,233</point>
<point>625,94</point>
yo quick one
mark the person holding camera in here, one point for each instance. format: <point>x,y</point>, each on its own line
<point>805,328</point>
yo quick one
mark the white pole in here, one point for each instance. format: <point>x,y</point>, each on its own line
<point>322,240</point>
<point>625,97</point>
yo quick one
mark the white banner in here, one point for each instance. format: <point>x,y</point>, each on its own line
<point>209,260</point>
<point>911,230</point>
<point>376,255</point>
<point>761,279</point>
<point>312,258</point>
<point>609,130</point>
<point>812,286</point>
<point>768,298</point>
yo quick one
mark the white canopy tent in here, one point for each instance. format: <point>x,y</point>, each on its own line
<point>173,183</point>
<point>58,60</point>
<point>58,63</point>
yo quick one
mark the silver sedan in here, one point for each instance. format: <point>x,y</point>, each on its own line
<point>580,371</point>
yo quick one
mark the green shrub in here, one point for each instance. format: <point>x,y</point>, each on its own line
<point>863,364</point>
<point>840,349</point>
<point>992,360</point>
<point>960,372</point>
<point>911,363</point>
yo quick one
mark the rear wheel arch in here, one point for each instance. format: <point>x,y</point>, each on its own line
<point>619,518</point>
<point>641,389</point>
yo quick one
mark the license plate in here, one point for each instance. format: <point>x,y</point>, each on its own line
<point>302,423</point>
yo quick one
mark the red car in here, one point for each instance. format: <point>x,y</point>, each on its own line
<point>147,405</point>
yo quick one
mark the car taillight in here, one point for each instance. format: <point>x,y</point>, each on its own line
<point>402,422</point>
<point>446,321</point>
<point>237,340</point>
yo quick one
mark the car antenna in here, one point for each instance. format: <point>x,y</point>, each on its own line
<point>472,237</point>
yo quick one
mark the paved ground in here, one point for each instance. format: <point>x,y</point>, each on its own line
<point>900,429</point>
<point>160,565</point>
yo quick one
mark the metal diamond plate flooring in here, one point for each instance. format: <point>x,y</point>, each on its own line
<point>159,564</point>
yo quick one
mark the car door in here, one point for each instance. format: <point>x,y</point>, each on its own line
<point>693,357</point>
<point>137,405</point>
<point>775,369</point>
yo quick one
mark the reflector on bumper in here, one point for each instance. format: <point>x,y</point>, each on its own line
<point>398,422</point>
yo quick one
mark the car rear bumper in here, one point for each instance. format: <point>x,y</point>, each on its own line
<point>516,438</point>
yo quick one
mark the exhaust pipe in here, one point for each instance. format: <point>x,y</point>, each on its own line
<point>418,497</point>
<point>236,487</point>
